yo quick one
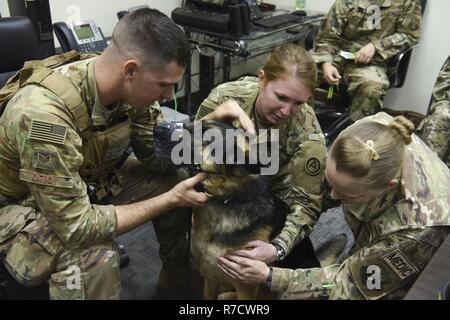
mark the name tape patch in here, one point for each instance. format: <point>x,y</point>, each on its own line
<point>46,179</point>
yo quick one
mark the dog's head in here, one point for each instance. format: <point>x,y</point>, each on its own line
<point>216,148</point>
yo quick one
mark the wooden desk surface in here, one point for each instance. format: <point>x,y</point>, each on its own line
<point>434,277</point>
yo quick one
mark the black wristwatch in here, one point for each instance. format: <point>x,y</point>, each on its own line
<point>280,252</point>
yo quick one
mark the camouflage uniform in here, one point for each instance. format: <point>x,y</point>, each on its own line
<point>349,27</point>
<point>302,158</point>
<point>398,232</point>
<point>435,129</point>
<point>50,153</point>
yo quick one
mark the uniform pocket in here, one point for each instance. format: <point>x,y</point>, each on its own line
<point>31,257</point>
<point>13,218</point>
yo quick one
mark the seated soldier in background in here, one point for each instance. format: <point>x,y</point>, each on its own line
<point>435,128</point>
<point>374,31</point>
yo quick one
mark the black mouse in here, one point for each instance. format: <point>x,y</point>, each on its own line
<point>300,13</point>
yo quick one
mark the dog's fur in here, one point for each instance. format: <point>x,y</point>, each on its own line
<point>240,211</point>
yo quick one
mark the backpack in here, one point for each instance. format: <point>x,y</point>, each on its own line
<point>40,72</point>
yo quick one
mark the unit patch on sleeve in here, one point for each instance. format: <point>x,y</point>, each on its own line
<point>313,166</point>
<point>47,132</point>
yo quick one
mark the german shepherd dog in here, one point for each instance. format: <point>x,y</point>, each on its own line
<point>240,210</point>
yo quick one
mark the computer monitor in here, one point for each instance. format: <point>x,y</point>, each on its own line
<point>217,3</point>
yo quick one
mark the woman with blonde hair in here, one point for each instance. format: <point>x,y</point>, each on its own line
<point>395,196</point>
<point>277,99</point>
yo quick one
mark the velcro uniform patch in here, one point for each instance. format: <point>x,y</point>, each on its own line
<point>47,132</point>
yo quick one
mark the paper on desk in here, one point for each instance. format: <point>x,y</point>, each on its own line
<point>347,55</point>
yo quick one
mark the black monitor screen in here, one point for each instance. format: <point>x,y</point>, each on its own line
<point>219,3</point>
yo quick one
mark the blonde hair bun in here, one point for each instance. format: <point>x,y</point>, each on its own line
<point>404,128</point>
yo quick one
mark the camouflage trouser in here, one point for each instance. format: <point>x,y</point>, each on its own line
<point>171,229</point>
<point>367,85</point>
<point>435,130</point>
<point>34,254</point>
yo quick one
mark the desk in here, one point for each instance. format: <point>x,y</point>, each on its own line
<point>258,42</point>
<point>435,275</point>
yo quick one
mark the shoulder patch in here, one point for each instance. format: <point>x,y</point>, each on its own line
<point>397,261</point>
<point>313,166</point>
<point>46,179</point>
<point>47,132</point>
<point>45,160</point>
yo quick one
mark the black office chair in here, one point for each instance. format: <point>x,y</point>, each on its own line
<point>19,43</point>
<point>333,114</point>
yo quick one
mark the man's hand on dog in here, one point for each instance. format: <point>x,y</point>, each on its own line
<point>230,111</point>
<point>258,250</point>
<point>184,194</point>
<point>244,269</point>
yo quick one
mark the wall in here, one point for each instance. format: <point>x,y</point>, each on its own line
<point>426,61</point>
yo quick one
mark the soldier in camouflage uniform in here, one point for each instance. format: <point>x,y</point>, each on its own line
<point>435,129</point>
<point>63,135</point>
<point>397,228</point>
<point>277,100</point>
<point>354,26</point>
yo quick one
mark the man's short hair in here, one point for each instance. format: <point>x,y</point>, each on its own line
<point>152,37</point>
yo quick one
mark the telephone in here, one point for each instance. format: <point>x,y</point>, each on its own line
<point>83,36</point>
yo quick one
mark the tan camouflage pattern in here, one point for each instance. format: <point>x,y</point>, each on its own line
<point>347,27</point>
<point>53,176</point>
<point>434,130</point>
<point>300,140</point>
<point>407,223</point>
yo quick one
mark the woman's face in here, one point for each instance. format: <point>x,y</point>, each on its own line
<point>280,99</point>
<point>345,187</point>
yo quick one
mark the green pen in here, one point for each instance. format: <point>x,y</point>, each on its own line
<point>175,100</point>
<point>330,92</point>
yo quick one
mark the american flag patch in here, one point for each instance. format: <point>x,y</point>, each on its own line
<point>48,132</point>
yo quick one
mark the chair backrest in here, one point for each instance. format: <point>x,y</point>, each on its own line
<point>423,4</point>
<point>19,43</point>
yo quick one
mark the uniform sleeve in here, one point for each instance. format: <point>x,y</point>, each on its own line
<point>142,138</point>
<point>299,183</point>
<point>385,268</point>
<point>329,39</point>
<point>210,104</point>
<point>50,158</point>
<point>408,32</point>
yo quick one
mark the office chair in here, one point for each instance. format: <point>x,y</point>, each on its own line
<point>19,42</point>
<point>333,116</point>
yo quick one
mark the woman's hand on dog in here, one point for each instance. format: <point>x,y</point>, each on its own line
<point>184,194</point>
<point>230,111</point>
<point>258,250</point>
<point>244,269</point>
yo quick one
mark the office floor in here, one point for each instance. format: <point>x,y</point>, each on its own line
<point>140,277</point>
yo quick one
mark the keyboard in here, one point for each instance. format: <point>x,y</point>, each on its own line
<point>279,20</point>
